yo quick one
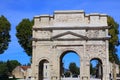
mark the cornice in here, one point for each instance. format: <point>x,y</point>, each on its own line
<point>73,28</point>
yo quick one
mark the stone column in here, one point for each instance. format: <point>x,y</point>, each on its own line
<point>84,65</point>
<point>88,69</point>
<point>55,66</point>
<point>105,71</point>
<point>81,68</point>
<point>84,70</point>
<point>34,63</point>
<point>107,60</point>
<point>99,70</point>
<point>37,72</point>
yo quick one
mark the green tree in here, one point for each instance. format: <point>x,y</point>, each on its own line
<point>11,65</point>
<point>3,68</point>
<point>114,40</point>
<point>4,33</point>
<point>6,68</point>
<point>24,35</point>
<point>74,69</point>
<point>3,71</point>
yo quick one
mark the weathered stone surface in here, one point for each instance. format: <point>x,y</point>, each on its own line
<point>87,35</point>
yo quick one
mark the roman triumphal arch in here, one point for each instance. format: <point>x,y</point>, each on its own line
<point>53,35</point>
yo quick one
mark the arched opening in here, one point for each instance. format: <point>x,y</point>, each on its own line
<point>44,70</point>
<point>96,69</point>
<point>69,64</point>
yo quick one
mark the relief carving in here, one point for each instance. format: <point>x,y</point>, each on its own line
<point>43,34</point>
<point>93,33</point>
<point>67,19</point>
<point>95,49</point>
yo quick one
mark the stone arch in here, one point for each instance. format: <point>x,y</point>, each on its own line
<point>68,50</point>
<point>64,52</point>
<point>43,69</point>
<point>43,58</point>
<point>70,31</point>
<point>98,68</point>
<point>97,58</point>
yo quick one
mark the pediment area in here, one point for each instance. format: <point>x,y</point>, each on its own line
<point>69,36</point>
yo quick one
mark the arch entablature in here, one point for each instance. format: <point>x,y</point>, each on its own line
<point>43,58</point>
<point>65,50</point>
<point>98,58</point>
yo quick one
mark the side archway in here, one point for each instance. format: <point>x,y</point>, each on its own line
<point>96,68</point>
<point>44,69</point>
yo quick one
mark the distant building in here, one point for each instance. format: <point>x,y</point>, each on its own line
<point>112,66</point>
<point>22,72</point>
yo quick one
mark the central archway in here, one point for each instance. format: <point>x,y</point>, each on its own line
<point>69,59</point>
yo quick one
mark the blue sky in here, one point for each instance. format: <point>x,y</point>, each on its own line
<point>69,58</point>
<point>16,10</point>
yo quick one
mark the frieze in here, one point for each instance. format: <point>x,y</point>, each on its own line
<point>68,19</point>
<point>43,34</point>
<point>93,33</point>
<point>95,49</point>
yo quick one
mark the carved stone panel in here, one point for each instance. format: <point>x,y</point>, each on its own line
<point>95,49</point>
<point>43,34</point>
<point>69,19</point>
<point>93,33</point>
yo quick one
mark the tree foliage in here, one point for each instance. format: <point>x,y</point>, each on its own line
<point>74,69</point>
<point>3,68</point>
<point>24,35</point>
<point>114,40</point>
<point>11,65</point>
<point>5,27</point>
<point>6,68</point>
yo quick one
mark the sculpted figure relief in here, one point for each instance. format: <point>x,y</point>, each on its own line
<point>70,18</point>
